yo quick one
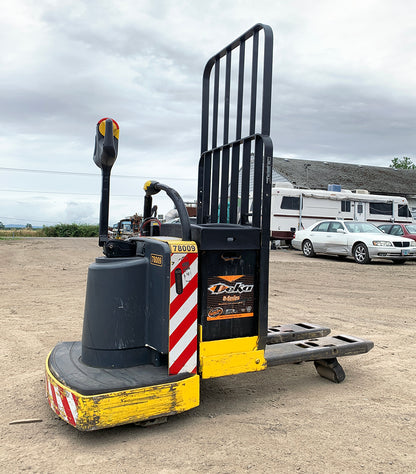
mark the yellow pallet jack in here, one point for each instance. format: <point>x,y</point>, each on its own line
<point>185,302</point>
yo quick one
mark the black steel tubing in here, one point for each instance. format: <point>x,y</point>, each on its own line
<point>235,169</point>
<point>215,105</point>
<point>215,181</point>
<point>254,68</point>
<point>225,165</point>
<point>180,207</point>
<point>227,97</point>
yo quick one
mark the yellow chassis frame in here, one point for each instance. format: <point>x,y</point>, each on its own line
<point>230,357</point>
<point>94,412</point>
<point>105,410</point>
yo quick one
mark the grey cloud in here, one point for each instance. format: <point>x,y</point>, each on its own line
<point>141,63</point>
<point>342,121</point>
<point>76,212</point>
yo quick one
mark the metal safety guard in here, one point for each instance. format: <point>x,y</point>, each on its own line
<point>235,168</point>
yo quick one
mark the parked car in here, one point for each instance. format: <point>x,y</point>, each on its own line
<point>404,230</point>
<point>361,240</point>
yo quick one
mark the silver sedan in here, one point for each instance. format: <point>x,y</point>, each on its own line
<point>361,240</point>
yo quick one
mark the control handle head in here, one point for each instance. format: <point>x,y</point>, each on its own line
<point>151,187</point>
<point>106,143</point>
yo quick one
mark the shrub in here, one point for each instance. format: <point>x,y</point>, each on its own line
<point>71,230</point>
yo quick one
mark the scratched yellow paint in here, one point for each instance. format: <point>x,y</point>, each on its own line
<point>230,357</point>
<point>129,406</point>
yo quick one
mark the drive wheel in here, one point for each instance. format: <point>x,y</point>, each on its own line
<point>360,253</point>
<point>307,248</point>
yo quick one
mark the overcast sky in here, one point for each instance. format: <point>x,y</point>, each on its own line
<point>344,89</point>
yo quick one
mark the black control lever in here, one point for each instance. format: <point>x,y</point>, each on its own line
<point>153,187</point>
<point>105,155</point>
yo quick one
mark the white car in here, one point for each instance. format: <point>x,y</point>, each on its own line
<point>361,240</point>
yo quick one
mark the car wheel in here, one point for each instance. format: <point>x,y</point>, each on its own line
<point>399,261</point>
<point>307,248</point>
<point>360,253</point>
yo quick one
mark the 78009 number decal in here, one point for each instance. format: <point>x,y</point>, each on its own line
<point>183,247</point>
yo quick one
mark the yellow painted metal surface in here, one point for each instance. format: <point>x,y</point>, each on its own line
<point>230,356</point>
<point>106,410</point>
<point>178,246</point>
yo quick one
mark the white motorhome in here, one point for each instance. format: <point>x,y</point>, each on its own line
<point>293,209</point>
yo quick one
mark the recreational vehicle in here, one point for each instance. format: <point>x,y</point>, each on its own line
<point>294,209</point>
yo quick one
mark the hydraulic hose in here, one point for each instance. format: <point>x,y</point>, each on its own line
<point>153,187</point>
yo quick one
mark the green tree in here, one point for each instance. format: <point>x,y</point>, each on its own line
<point>1,225</point>
<point>404,163</point>
<point>29,226</point>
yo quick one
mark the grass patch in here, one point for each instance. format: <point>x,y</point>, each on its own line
<point>60,230</point>
<point>12,233</point>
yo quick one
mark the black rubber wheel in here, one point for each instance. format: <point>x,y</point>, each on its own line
<point>360,253</point>
<point>307,248</point>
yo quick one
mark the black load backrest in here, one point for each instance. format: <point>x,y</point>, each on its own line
<point>234,181</point>
<point>235,168</point>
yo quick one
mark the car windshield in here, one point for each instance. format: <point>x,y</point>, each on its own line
<point>362,227</point>
<point>411,229</point>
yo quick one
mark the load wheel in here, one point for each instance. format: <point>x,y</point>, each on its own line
<point>307,249</point>
<point>360,253</point>
<point>330,369</point>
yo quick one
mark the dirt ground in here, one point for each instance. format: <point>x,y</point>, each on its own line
<point>285,419</point>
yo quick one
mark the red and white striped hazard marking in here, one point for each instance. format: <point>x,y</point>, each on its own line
<point>64,403</point>
<point>183,313</point>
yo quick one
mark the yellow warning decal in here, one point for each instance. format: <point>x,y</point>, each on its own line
<point>179,246</point>
<point>156,259</point>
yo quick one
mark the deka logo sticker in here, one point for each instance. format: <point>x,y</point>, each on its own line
<point>230,296</point>
<point>237,288</point>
